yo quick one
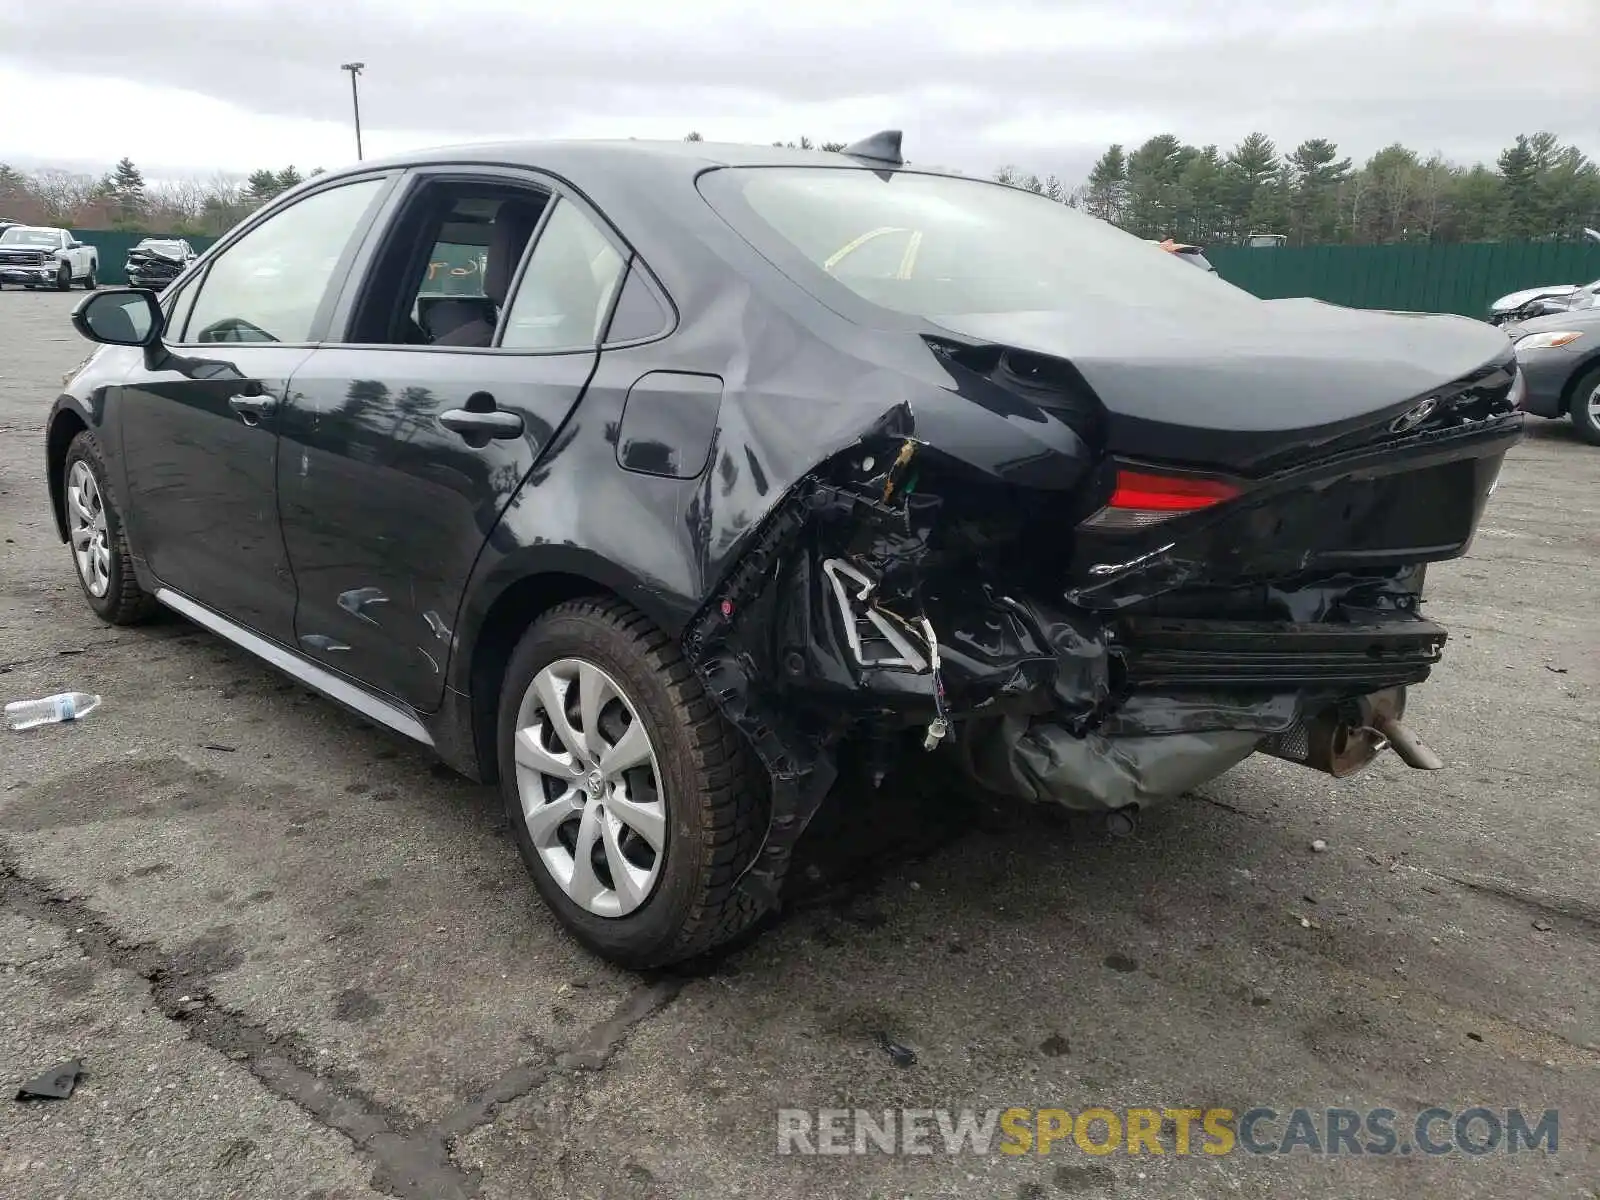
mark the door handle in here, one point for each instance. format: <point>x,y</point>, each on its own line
<point>495,423</point>
<point>252,408</point>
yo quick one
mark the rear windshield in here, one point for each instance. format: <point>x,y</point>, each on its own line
<point>931,245</point>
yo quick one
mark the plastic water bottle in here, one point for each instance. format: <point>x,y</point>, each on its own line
<point>68,706</point>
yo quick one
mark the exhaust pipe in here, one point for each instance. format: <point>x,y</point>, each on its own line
<point>1413,751</point>
<point>1341,741</point>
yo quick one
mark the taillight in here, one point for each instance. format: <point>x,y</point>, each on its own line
<point>1142,498</point>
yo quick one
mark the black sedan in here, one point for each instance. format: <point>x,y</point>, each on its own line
<point>1560,358</point>
<point>718,470</point>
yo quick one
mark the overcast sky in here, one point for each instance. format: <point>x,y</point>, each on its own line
<point>190,86</point>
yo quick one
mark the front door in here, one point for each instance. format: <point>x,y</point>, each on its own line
<point>398,461</point>
<point>200,422</point>
<point>200,442</point>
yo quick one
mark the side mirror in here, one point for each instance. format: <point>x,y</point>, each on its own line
<point>74,245</point>
<point>119,317</point>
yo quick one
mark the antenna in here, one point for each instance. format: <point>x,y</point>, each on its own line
<point>882,147</point>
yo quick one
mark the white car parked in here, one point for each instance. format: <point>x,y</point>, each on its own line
<point>40,256</point>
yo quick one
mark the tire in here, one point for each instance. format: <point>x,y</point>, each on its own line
<point>64,278</point>
<point>89,282</point>
<point>711,813</point>
<point>110,586</point>
<point>1585,407</point>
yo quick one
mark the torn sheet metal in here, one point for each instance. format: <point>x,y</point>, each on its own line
<point>913,598</point>
<point>1042,761</point>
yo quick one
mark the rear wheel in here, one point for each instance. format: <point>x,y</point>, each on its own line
<point>89,283</point>
<point>1585,407</point>
<point>95,531</point>
<point>631,798</point>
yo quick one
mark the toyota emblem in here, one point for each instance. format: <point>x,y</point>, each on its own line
<point>1413,417</point>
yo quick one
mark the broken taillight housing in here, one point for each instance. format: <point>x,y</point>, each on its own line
<point>1143,497</point>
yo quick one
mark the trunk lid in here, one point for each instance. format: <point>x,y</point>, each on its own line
<point>1252,388</point>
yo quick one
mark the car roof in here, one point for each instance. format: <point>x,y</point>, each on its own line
<point>624,157</point>
<point>38,228</point>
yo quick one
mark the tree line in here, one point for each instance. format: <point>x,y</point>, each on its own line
<point>1537,189</point>
<point>120,199</point>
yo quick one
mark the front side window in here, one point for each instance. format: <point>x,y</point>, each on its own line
<point>268,285</point>
<point>927,245</point>
<point>567,288</point>
<point>176,306</point>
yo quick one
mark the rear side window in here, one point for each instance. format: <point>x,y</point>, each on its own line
<point>567,288</point>
<point>639,314</point>
<point>268,285</point>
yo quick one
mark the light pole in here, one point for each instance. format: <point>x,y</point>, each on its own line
<point>355,99</point>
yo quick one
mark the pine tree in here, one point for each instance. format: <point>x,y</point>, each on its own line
<point>123,190</point>
<point>1519,169</point>
<point>262,185</point>
<point>1108,186</point>
<point>1155,199</point>
<point>1203,185</point>
<point>1250,165</point>
<point>1317,174</point>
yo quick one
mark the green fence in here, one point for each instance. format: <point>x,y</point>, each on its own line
<point>1462,278</point>
<point>113,246</point>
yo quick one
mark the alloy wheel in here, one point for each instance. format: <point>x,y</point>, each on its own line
<point>91,545</point>
<point>1593,407</point>
<point>590,788</point>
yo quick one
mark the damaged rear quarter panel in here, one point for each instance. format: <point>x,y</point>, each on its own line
<point>803,391</point>
<point>908,453</point>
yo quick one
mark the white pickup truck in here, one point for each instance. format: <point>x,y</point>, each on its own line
<point>39,256</point>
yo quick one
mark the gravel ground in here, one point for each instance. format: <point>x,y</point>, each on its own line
<point>298,959</point>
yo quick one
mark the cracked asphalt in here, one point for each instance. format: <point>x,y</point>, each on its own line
<point>300,960</point>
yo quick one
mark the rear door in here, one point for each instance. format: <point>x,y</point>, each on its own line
<point>200,421</point>
<point>398,456</point>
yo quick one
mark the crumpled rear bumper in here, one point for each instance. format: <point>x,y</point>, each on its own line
<point>1187,700</point>
<point>1040,760</point>
<point>895,603</point>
